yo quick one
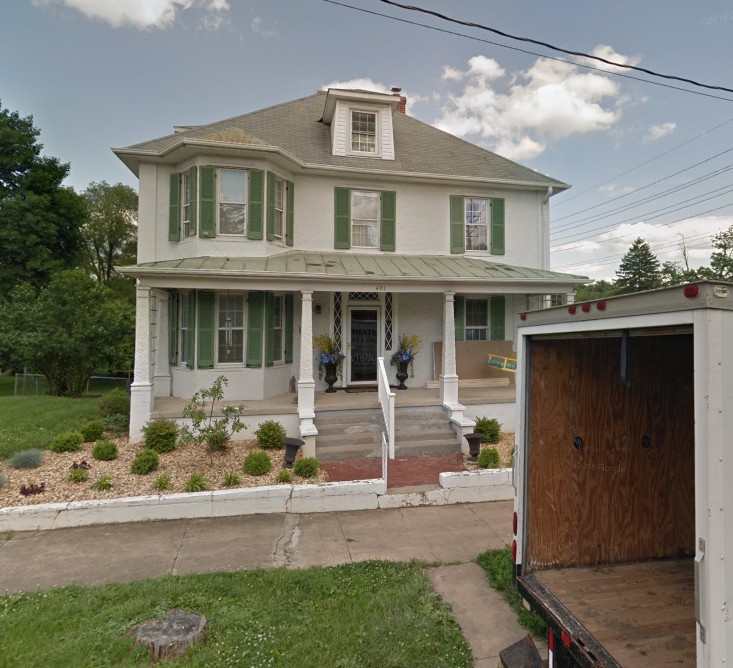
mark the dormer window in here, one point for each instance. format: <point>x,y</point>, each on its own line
<point>363,132</point>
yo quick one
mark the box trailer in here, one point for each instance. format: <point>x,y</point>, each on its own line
<point>623,471</point>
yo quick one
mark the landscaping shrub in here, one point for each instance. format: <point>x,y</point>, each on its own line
<point>92,430</point>
<point>284,476</point>
<point>257,463</point>
<point>490,428</point>
<point>217,438</point>
<point>488,458</point>
<point>270,435</point>
<point>196,483</point>
<point>78,475</point>
<point>68,441</point>
<point>160,435</point>
<point>146,461</point>
<point>306,467</point>
<point>115,402</point>
<point>103,484</point>
<point>104,451</point>
<point>231,479</point>
<point>163,482</point>
<point>27,459</point>
<point>117,423</point>
<point>3,480</point>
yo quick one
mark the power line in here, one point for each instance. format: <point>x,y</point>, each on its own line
<point>525,51</point>
<point>547,45</point>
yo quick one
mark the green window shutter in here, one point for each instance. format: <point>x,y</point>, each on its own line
<point>191,341</point>
<point>289,300</point>
<point>207,224</point>
<point>268,328</point>
<point>342,218</point>
<point>193,209</point>
<point>174,208</point>
<point>459,316</point>
<point>206,330</point>
<point>270,206</point>
<point>457,224</point>
<point>290,214</point>
<point>497,226</point>
<point>255,317</point>
<point>388,220</point>
<point>256,203</point>
<point>173,328</point>
<point>498,310</point>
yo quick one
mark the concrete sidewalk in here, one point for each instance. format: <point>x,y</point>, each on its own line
<point>451,534</point>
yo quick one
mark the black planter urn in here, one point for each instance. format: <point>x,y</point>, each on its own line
<point>331,376</point>
<point>474,444</point>
<point>402,374</point>
<point>292,445</point>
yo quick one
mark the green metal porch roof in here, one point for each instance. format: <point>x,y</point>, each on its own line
<point>352,265</point>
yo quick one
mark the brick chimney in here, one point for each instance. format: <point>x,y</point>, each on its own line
<point>402,106</point>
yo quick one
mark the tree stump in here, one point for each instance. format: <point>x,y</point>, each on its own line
<point>170,637</point>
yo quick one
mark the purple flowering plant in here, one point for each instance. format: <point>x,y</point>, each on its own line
<point>329,352</point>
<point>407,348</point>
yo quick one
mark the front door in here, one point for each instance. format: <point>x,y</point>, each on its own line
<point>363,345</point>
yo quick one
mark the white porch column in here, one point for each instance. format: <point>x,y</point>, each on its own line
<point>306,383</point>
<point>448,377</point>
<point>160,325</point>
<point>141,390</point>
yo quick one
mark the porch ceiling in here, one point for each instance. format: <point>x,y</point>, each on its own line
<point>315,269</point>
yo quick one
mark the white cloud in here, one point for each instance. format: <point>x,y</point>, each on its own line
<point>612,190</point>
<point>259,28</point>
<point>551,100</point>
<point>656,132</point>
<point>365,83</point>
<point>599,258</point>
<point>144,14</point>
<point>609,53</point>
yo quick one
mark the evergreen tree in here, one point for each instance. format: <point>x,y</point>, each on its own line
<point>639,269</point>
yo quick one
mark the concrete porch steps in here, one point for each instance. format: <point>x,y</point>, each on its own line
<point>357,433</point>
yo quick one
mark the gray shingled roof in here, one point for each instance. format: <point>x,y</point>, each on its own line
<point>351,265</point>
<point>296,127</point>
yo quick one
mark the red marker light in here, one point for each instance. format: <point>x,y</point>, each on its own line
<point>601,305</point>
<point>691,291</point>
<point>522,316</point>
<point>572,309</point>
<point>514,551</point>
<point>585,307</point>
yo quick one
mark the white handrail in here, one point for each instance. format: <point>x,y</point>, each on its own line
<point>386,401</point>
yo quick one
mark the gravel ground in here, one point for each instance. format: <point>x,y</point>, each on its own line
<point>179,464</point>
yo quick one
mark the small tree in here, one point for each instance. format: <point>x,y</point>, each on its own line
<point>639,269</point>
<point>214,433</point>
<point>721,260</point>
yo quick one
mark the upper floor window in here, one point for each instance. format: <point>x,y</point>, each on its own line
<point>279,208</point>
<point>477,227</point>
<point>363,132</point>
<point>365,218</point>
<point>232,201</point>
<point>230,328</point>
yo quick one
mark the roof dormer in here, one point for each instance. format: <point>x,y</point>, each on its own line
<point>361,123</point>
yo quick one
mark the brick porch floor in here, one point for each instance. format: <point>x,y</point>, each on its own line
<point>404,472</point>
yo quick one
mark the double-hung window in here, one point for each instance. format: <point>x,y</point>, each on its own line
<point>230,329</point>
<point>279,208</point>
<point>277,329</point>
<point>477,320</point>
<point>477,223</point>
<point>183,321</point>
<point>186,205</point>
<point>365,218</point>
<point>232,186</point>
<point>363,132</point>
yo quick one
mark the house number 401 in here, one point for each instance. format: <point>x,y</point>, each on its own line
<point>381,288</point>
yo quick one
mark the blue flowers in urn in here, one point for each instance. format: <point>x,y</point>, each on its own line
<point>330,358</point>
<point>407,348</point>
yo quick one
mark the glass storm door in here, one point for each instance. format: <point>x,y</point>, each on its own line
<point>363,344</point>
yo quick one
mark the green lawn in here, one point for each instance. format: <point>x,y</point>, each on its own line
<point>32,422</point>
<point>6,386</point>
<point>369,614</point>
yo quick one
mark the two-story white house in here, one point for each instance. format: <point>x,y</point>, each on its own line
<point>332,214</point>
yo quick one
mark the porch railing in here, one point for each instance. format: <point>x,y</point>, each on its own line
<point>386,401</point>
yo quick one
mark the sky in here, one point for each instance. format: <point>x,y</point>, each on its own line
<point>643,160</point>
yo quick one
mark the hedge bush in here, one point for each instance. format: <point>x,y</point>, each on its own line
<point>488,458</point>
<point>92,430</point>
<point>104,451</point>
<point>117,423</point>
<point>306,467</point>
<point>160,435</point>
<point>68,441</point>
<point>27,459</point>
<point>270,435</point>
<point>146,461</point>
<point>115,402</point>
<point>257,463</point>
<point>490,428</point>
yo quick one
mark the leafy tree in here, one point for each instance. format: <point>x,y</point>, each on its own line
<point>639,269</point>
<point>595,290</point>
<point>110,230</point>
<point>67,330</point>
<point>39,218</point>
<point>721,260</point>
